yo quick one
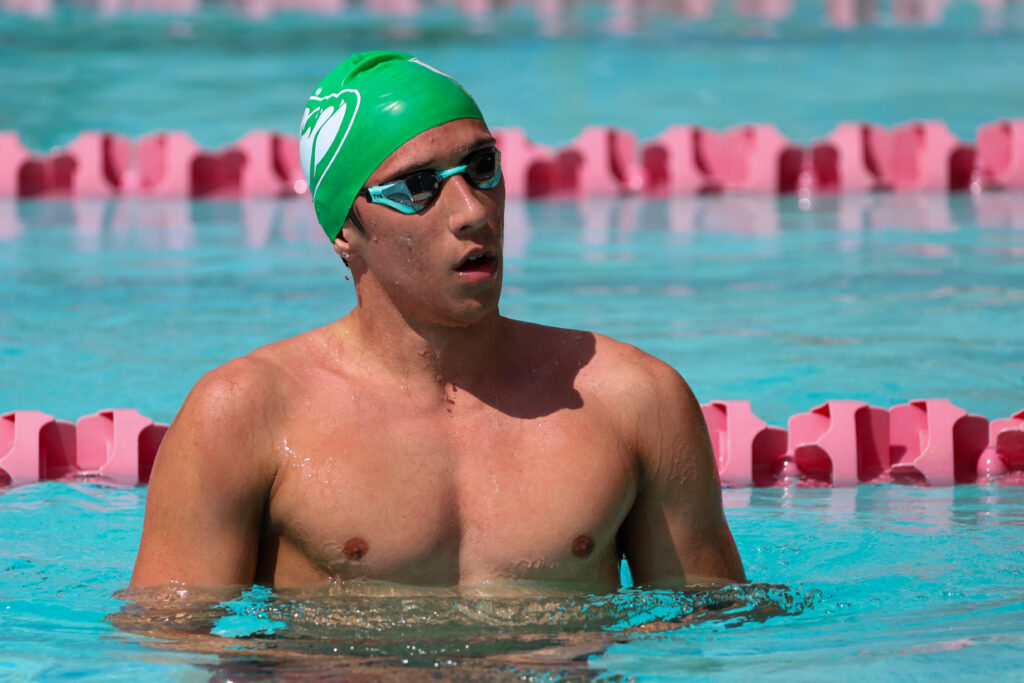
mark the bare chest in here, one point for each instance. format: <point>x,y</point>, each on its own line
<point>439,500</point>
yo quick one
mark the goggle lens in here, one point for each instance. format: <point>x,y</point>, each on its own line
<point>482,168</point>
<point>416,191</point>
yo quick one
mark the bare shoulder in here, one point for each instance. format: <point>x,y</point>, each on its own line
<point>229,417</point>
<point>642,392</point>
<point>638,383</point>
<point>240,389</point>
<point>211,479</point>
<point>249,391</point>
<point>655,403</point>
<point>640,375</point>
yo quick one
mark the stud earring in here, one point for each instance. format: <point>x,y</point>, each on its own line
<point>344,254</point>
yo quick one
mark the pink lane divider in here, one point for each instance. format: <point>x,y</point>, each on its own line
<point>49,174</point>
<point>261,173</point>
<point>287,163</point>
<point>745,446</point>
<point>100,161</point>
<point>313,6</point>
<point>165,164</point>
<point>34,446</point>
<point>934,442</point>
<point>750,158</point>
<point>161,6</point>
<point>920,155</point>
<point>848,14</point>
<point>395,8</point>
<point>526,166</point>
<point>840,161</point>
<point>260,164</point>
<point>671,164</point>
<point>36,8</point>
<point>168,164</point>
<point>1001,153</point>
<point>13,157</point>
<point>1003,458</point>
<point>89,166</point>
<point>117,445</point>
<point>772,10</point>
<point>600,161</point>
<point>929,157</point>
<point>839,443</point>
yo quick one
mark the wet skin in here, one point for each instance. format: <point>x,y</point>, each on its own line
<point>425,439</point>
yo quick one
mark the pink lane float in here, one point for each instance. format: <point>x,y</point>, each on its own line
<point>601,161</point>
<point>841,14</point>
<point>840,443</point>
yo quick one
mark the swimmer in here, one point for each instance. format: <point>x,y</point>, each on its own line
<point>424,439</point>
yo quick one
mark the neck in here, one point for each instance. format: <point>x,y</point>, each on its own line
<point>425,354</point>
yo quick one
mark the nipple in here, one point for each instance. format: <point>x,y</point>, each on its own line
<point>355,549</point>
<point>582,546</point>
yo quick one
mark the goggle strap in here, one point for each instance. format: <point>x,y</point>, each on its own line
<point>444,175</point>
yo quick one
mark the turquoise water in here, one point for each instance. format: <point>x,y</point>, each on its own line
<point>218,74</point>
<point>882,298</point>
<point>878,582</point>
<point>126,304</point>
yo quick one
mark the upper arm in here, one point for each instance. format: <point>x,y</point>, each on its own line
<point>676,533</point>
<point>210,483</point>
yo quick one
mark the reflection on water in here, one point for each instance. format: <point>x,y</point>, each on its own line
<point>172,223</point>
<point>494,625</point>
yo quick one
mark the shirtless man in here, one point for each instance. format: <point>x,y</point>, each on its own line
<point>423,438</point>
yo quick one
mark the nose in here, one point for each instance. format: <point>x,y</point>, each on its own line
<point>466,209</point>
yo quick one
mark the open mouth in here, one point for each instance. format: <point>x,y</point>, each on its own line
<point>481,263</point>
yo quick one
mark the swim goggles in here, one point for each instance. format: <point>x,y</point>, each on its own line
<point>416,191</point>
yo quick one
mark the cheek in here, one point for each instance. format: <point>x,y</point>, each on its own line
<point>409,244</point>
<point>410,249</point>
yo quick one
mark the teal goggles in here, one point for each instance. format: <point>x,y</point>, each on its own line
<point>416,191</point>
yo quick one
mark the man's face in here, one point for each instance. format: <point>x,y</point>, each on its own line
<point>442,265</point>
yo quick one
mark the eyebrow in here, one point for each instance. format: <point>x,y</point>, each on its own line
<point>415,166</point>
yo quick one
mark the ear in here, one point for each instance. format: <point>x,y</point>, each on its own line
<point>342,247</point>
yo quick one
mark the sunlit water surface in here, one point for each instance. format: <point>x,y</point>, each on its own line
<point>878,298</point>
<point>879,581</point>
<point>881,298</point>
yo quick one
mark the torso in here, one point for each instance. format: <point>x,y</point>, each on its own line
<point>520,480</point>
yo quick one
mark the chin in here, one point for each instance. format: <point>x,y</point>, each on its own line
<point>476,311</point>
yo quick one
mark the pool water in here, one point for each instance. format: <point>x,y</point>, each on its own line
<point>218,74</point>
<point>883,298</point>
<point>128,303</point>
<point>879,581</point>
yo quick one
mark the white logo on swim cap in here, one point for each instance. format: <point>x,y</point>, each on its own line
<point>427,66</point>
<point>324,128</point>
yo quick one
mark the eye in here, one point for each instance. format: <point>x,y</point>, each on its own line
<point>422,185</point>
<point>482,164</point>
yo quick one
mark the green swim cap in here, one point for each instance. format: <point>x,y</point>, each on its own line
<point>369,106</point>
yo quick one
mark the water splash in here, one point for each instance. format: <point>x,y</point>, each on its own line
<point>405,625</point>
